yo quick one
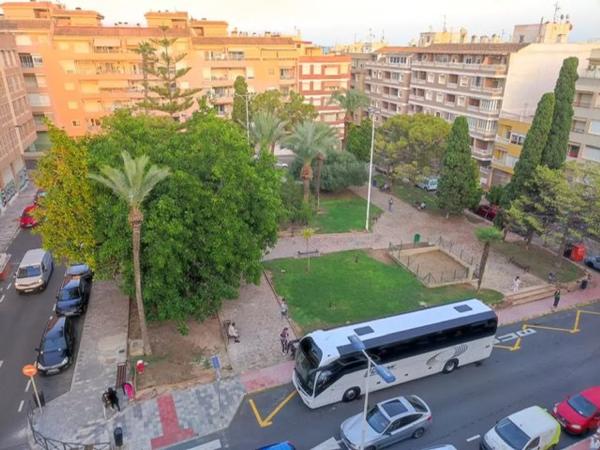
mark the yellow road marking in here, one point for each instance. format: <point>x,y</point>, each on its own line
<point>513,348</point>
<point>267,421</point>
<point>543,327</point>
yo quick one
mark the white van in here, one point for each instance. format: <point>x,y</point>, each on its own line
<point>34,271</point>
<point>532,428</point>
<point>429,184</point>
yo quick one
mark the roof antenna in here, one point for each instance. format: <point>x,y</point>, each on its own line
<point>444,27</point>
<point>556,9</point>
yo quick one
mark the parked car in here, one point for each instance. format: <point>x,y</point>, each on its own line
<point>530,428</point>
<point>429,184</point>
<point>579,413</point>
<point>488,212</point>
<point>287,445</point>
<point>34,271</point>
<point>389,422</point>
<point>74,293</point>
<point>56,349</point>
<point>27,220</point>
<point>593,262</point>
<point>442,447</point>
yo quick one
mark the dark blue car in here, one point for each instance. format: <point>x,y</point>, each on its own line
<point>56,349</point>
<point>74,294</point>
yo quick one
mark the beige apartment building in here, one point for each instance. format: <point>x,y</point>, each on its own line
<point>78,70</point>
<point>17,130</point>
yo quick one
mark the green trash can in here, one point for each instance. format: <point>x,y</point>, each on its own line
<point>416,238</point>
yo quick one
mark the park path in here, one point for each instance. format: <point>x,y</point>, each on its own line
<point>400,225</point>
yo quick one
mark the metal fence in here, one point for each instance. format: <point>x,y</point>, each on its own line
<point>54,444</point>
<point>456,275</point>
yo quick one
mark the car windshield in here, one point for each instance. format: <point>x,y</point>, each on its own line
<point>511,434</point>
<point>377,420</point>
<point>53,344</point>
<point>29,271</point>
<point>582,405</point>
<point>68,294</point>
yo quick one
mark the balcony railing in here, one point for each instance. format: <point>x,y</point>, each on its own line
<point>455,65</point>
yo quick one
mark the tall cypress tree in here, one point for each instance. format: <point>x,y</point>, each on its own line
<point>555,152</point>
<point>240,88</point>
<point>535,142</point>
<point>459,186</point>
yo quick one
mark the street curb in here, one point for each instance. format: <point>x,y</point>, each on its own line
<point>546,313</point>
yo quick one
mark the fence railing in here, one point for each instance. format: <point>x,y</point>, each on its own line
<point>432,278</point>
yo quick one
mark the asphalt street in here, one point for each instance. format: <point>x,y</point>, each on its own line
<point>549,365</point>
<point>22,322</point>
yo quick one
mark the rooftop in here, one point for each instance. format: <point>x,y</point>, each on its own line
<point>479,47</point>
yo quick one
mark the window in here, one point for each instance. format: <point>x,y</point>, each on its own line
<point>591,153</point>
<point>573,150</point>
<point>250,73</point>
<point>517,138</point>
<point>578,126</point>
<point>594,127</point>
<point>428,95</point>
<point>439,97</point>
<point>397,59</point>
<point>23,40</point>
<point>464,81</point>
<point>460,100</point>
<point>75,123</point>
<point>72,104</point>
<point>442,79</point>
<point>395,76</point>
<point>430,77</point>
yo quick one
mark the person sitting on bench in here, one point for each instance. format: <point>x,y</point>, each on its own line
<point>233,333</point>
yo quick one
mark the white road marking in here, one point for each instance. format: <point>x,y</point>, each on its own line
<point>2,298</point>
<point>21,405</point>
<point>472,438</point>
<point>1,362</point>
<point>9,285</point>
<point>329,444</point>
<point>28,385</point>
<point>212,445</point>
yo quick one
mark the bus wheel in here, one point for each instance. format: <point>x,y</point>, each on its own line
<point>450,366</point>
<point>351,394</point>
<point>418,433</point>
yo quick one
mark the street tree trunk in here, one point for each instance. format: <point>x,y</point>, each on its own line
<point>482,263</point>
<point>306,175</point>
<point>347,120</point>
<point>529,238</point>
<point>135,219</point>
<point>318,182</point>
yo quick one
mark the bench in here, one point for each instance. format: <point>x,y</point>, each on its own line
<point>309,253</point>
<point>525,267</point>
<point>121,375</point>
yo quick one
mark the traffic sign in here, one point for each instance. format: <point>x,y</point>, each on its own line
<point>29,370</point>
<point>215,362</point>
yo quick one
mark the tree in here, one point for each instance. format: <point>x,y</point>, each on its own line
<point>148,54</point>
<point>320,159</point>
<point>266,131</point>
<point>307,139</point>
<point>486,235</point>
<point>292,110</point>
<point>555,151</point>
<point>359,140</point>
<point>307,234</point>
<point>458,186</point>
<point>65,214</point>
<point>169,97</point>
<point>350,101</point>
<point>535,141</point>
<point>241,100</point>
<point>132,185</point>
<point>340,171</point>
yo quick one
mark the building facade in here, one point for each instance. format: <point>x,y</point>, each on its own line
<point>17,129</point>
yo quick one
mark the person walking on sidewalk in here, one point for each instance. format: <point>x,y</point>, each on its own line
<point>283,339</point>
<point>556,299</point>
<point>516,284</point>
<point>283,308</point>
<point>111,394</point>
<point>390,203</point>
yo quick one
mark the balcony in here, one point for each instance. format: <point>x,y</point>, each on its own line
<point>419,80</point>
<point>481,154</point>
<point>487,68</point>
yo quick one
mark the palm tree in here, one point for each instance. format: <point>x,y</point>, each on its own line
<point>486,235</point>
<point>307,140</point>
<point>308,233</point>
<point>320,159</point>
<point>133,184</point>
<point>350,100</point>
<point>267,130</point>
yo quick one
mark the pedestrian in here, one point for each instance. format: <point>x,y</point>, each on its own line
<point>390,203</point>
<point>283,308</point>
<point>113,398</point>
<point>556,299</point>
<point>283,338</point>
<point>233,333</point>
<point>516,284</point>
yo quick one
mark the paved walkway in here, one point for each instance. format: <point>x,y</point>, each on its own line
<point>9,217</point>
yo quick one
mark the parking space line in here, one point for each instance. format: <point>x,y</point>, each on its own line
<point>21,405</point>
<point>9,285</point>
<point>2,298</point>
<point>472,438</point>
<point>28,385</point>
<point>1,362</point>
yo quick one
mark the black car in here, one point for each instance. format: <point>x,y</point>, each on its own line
<point>593,262</point>
<point>56,349</point>
<point>74,294</point>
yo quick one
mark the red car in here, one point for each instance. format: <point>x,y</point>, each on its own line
<point>27,219</point>
<point>579,413</point>
<point>488,212</point>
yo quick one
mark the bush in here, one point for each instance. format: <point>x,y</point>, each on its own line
<point>340,170</point>
<point>295,211</point>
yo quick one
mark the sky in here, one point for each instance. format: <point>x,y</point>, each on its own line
<point>329,22</point>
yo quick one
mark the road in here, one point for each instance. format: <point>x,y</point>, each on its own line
<point>550,364</point>
<point>22,322</point>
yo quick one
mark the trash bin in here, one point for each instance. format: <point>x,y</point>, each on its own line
<point>374,182</point>
<point>584,283</point>
<point>118,435</point>
<point>578,252</point>
<point>416,238</point>
<point>140,366</point>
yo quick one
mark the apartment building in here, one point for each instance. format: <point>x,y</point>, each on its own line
<point>387,81</point>
<point>512,130</point>
<point>358,73</point>
<point>78,70</point>
<point>318,77</point>
<point>17,130</point>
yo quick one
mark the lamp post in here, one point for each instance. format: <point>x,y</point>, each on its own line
<point>372,112</point>
<point>384,373</point>
<point>245,97</point>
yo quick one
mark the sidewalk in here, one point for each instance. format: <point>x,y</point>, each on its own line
<point>9,218</point>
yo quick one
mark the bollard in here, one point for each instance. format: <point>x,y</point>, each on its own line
<point>118,435</point>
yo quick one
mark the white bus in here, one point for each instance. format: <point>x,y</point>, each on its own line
<point>411,345</point>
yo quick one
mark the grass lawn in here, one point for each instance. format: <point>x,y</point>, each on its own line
<point>411,194</point>
<point>339,215</point>
<point>540,261</point>
<point>351,286</point>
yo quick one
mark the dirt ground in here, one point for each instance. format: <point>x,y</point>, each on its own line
<point>435,262</point>
<point>381,255</point>
<point>176,358</point>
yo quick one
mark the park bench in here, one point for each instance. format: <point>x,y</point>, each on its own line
<point>525,267</point>
<point>121,375</point>
<point>308,253</point>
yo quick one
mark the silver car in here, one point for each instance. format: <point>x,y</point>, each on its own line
<point>388,422</point>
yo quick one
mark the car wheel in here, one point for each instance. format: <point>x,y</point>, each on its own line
<point>450,366</point>
<point>418,433</point>
<point>351,394</point>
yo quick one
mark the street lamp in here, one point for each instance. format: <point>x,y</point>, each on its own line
<point>246,97</point>
<point>372,113</point>
<point>384,373</point>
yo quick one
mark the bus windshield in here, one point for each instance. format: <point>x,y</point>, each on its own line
<point>307,361</point>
